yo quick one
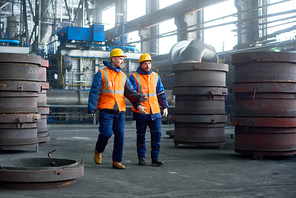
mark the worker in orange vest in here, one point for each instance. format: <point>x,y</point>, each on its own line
<point>110,86</point>
<point>148,113</point>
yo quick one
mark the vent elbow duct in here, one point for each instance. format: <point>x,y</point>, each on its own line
<point>194,51</point>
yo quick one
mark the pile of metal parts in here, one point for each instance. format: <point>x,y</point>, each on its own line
<point>200,89</point>
<point>265,106</point>
<point>19,92</point>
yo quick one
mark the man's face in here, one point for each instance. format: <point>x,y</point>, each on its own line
<point>146,66</point>
<point>117,62</point>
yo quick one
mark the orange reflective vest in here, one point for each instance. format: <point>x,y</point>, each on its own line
<point>147,86</point>
<point>113,89</point>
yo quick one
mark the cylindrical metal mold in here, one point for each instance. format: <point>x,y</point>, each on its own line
<point>200,90</point>
<point>18,100</point>
<point>265,105</point>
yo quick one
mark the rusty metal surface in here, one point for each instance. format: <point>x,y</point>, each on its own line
<point>263,57</point>
<point>42,74</point>
<point>39,170</point>
<point>266,106</point>
<point>204,66</point>
<point>215,91</point>
<point>43,138</point>
<point>44,63</point>
<point>19,118</point>
<point>200,78</point>
<point>34,186</point>
<point>44,85</point>
<point>19,104</point>
<point>263,88</point>
<point>265,72</point>
<point>199,134</point>
<point>19,86</point>
<point>18,137</point>
<point>41,99</point>
<point>42,124</point>
<point>264,121</point>
<point>200,118</point>
<point>196,107</point>
<point>18,71</point>
<point>20,58</point>
<point>18,131</point>
<point>259,139</point>
<point>264,67</point>
<point>43,110</point>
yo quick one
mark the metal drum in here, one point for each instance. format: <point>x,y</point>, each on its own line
<point>265,103</point>
<point>43,109</point>
<point>18,100</point>
<point>201,92</point>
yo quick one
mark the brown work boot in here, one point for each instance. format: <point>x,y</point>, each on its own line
<point>98,157</point>
<point>117,165</point>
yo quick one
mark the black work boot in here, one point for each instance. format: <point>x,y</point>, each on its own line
<point>157,162</point>
<point>141,161</point>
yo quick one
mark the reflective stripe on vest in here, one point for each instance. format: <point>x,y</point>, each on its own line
<point>140,85</point>
<point>107,90</point>
<point>113,90</point>
<point>145,89</point>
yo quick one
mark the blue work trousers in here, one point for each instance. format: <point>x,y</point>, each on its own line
<point>155,132</point>
<point>111,123</point>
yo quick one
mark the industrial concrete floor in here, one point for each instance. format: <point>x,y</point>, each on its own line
<point>189,171</point>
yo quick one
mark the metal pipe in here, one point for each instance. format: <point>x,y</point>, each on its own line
<point>80,97</point>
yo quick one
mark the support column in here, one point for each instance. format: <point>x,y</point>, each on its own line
<point>245,34</point>
<point>150,46</point>
<point>181,27</point>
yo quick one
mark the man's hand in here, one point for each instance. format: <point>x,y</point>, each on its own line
<point>141,109</point>
<point>143,99</point>
<point>91,112</point>
<point>165,112</point>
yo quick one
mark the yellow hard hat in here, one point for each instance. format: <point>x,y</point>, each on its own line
<point>145,57</point>
<point>117,52</point>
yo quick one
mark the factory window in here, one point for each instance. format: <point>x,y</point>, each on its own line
<point>283,23</point>
<point>135,9</point>
<point>166,3</point>
<point>132,39</point>
<point>108,18</point>
<point>218,33</point>
<point>166,43</point>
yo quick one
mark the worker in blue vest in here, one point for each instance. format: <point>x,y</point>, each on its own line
<point>148,113</point>
<point>110,86</point>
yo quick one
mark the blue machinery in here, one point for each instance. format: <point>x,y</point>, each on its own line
<point>81,34</point>
<point>93,37</point>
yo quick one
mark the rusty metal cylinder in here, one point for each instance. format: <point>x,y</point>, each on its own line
<point>199,116</point>
<point>265,103</point>
<point>18,100</point>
